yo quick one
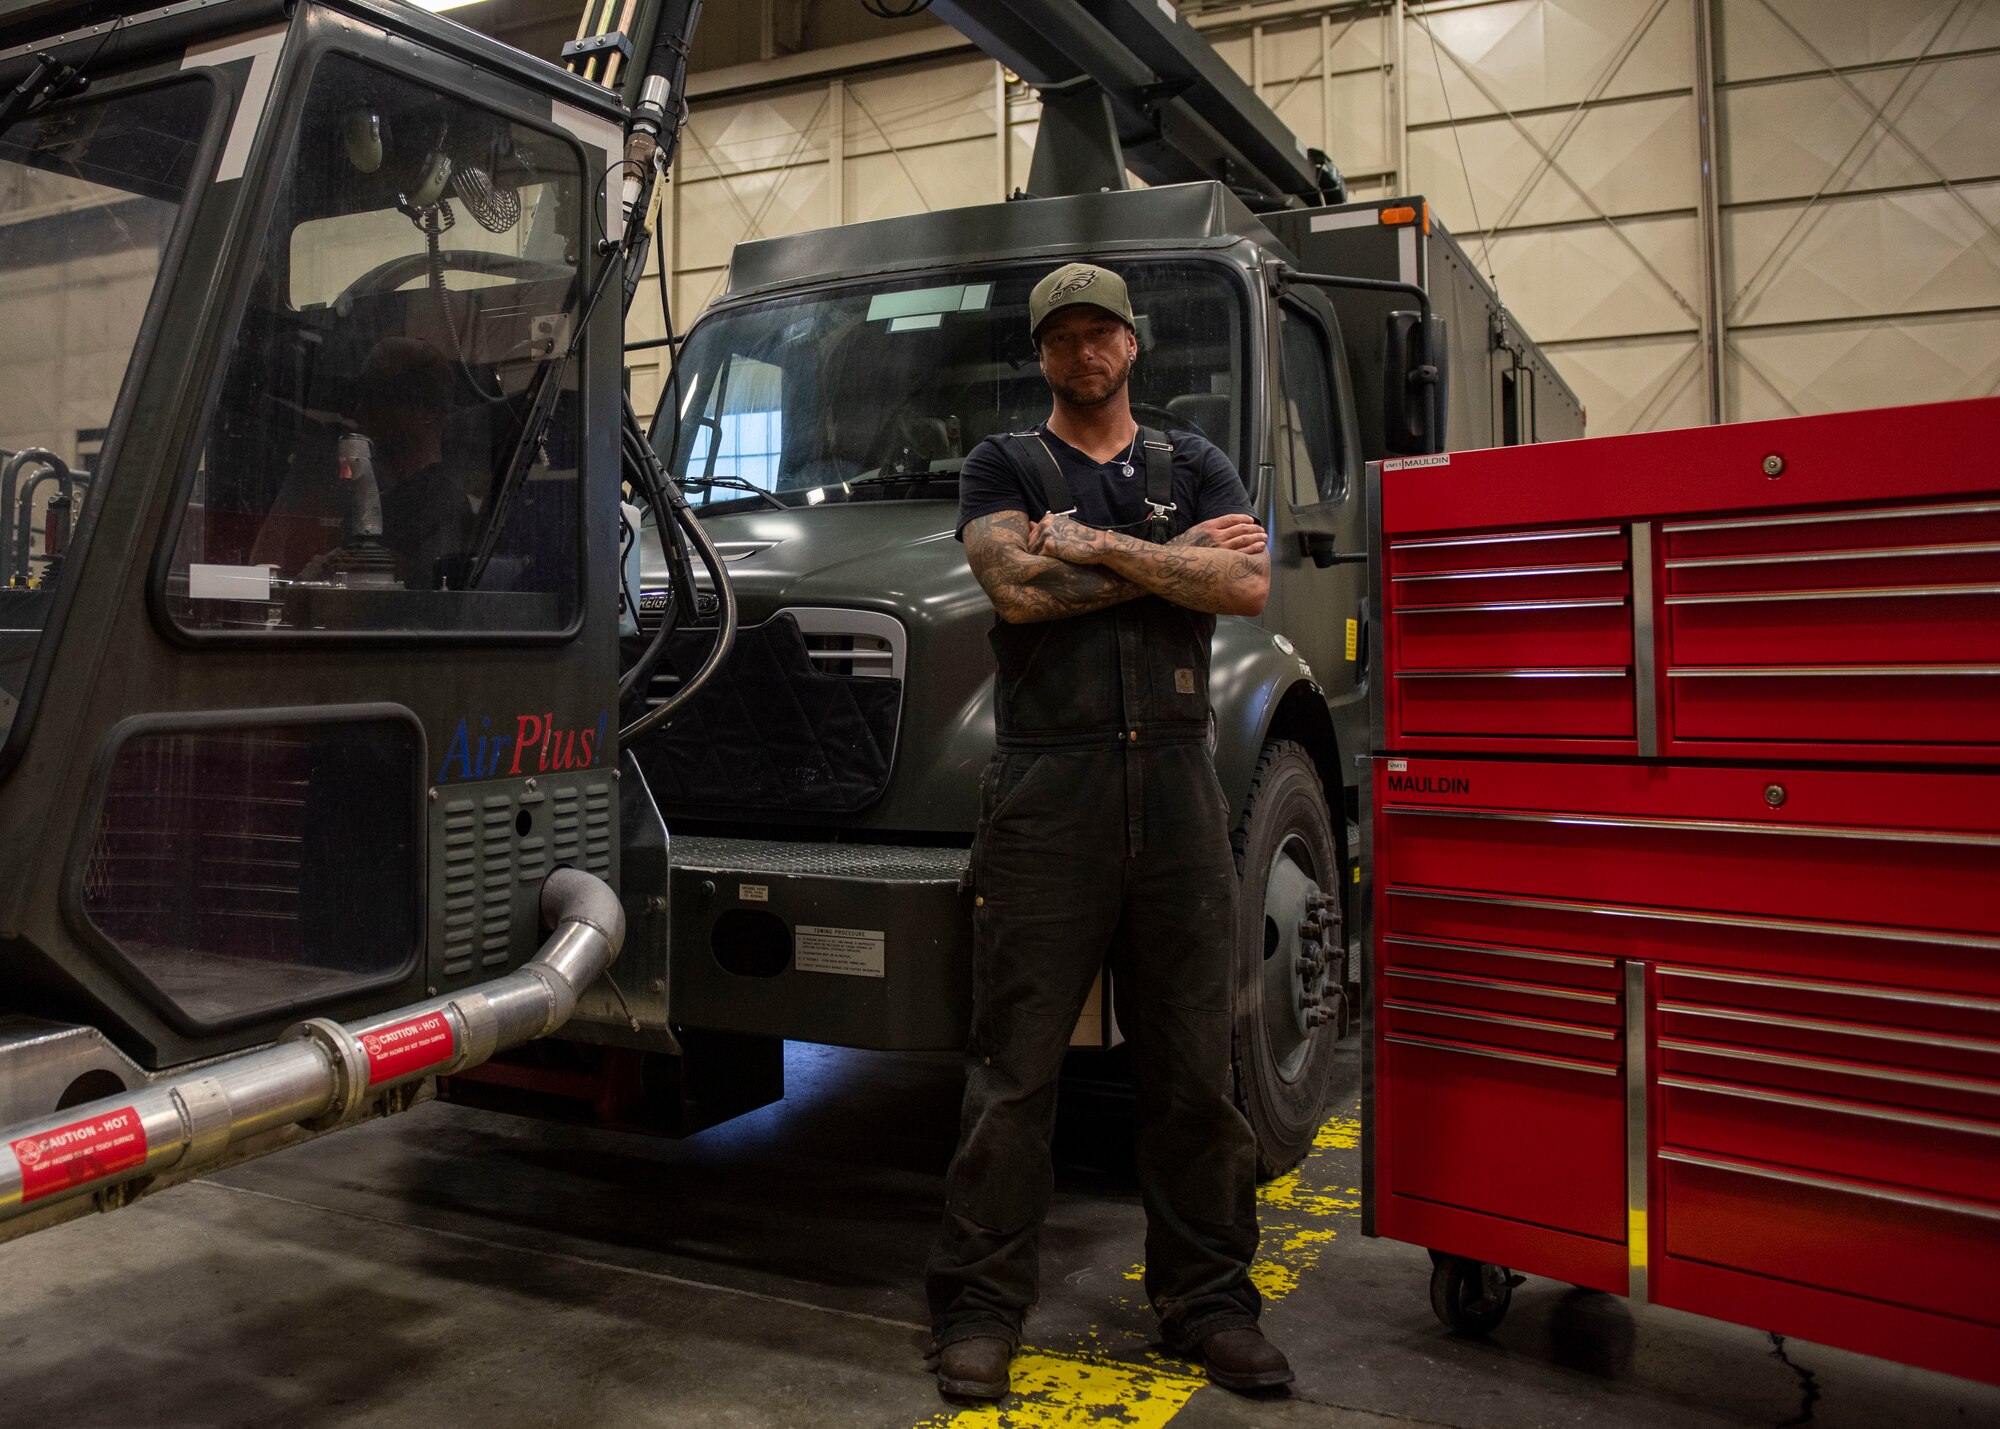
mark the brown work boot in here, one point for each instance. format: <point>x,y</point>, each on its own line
<point>974,1368</point>
<point>1243,1359</point>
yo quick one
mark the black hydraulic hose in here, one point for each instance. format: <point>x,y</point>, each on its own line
<point>725,633</point>
<point>649,481</point>
<point>652,480</point>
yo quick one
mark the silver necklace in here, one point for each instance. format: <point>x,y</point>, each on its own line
<point>1126,465</point>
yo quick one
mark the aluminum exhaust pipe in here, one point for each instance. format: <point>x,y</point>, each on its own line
<point>319,1074</point>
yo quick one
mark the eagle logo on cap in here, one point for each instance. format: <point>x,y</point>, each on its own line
<point>1074,284</point>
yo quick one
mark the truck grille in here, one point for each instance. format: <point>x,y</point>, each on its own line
<point>856,644</point>
<point>802,717</point>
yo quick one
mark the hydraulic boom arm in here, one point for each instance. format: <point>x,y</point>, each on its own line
<point>1133,76</point>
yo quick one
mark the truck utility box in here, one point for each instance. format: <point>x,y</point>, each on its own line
<point>1684,943</point>
<point>1501,390</point>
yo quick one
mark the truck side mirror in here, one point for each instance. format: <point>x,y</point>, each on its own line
<point>1413,386</point>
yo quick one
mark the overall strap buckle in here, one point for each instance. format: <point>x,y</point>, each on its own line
<point>1159,457</point>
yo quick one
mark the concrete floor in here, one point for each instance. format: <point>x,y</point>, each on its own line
<point>453,1267</point>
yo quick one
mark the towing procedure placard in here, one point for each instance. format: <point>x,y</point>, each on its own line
<point>853,952</point>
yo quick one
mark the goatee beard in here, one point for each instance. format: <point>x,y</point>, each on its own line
<point>1071,397</point>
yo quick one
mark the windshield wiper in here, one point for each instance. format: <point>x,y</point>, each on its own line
<point>47,82</point>
<point>734,483</point>
<point>885,478</point>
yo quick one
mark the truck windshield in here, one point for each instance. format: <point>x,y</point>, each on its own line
<point>89,194</point>
<point>803,397</point>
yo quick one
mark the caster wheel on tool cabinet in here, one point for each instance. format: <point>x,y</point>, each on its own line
<point>1470,1296</point>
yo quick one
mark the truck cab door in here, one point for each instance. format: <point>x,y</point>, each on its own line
<point>315,755</point>
<point>1317,509</point>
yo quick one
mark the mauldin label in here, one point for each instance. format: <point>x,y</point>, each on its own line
<point>1429,784</point>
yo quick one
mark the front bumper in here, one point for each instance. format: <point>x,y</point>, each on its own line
<point>855,945</point>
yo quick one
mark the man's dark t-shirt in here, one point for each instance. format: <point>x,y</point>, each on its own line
<point>994,478</point>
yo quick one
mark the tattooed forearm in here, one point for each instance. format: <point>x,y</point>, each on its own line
<point>1025,587</point>
<point>1204,578</point>
<point>1219,578</point>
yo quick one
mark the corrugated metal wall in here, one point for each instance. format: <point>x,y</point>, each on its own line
<point>1840,251</point>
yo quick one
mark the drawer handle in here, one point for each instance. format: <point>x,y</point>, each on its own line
<point>1529,989</point>
<point>1711,826</point>
<point>1562,1063</point>
<point>1825,518</point>
<point>1837,989</point>
<point>1617,603</point>
<point>1579,959</point>
<point>1725,672</point>
<point>1828,1104</point>
<point>1849,1029</point>
<point>1710,920</point>
<point>1864,553</point>
<point>1580,672</point>
<point>1768,597</point>
<point>1838,1069</point>
<point>1511,539</point>
<point>1487,573</point>
<point>1822,1183</point>
<point>1567,1028</point>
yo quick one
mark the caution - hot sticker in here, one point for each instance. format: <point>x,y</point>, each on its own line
<point>415,1045</point>
<point>82,1152</point>
<point>1353,639</point>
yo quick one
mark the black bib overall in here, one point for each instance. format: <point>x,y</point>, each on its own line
<point>1103,840</point>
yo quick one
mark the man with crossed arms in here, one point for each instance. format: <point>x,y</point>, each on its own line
<point>1107,550</point>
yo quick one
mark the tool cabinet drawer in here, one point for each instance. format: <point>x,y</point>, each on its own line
<point>1511,1031</point>
<point>1740,943</point>
<point>1537,1139</point>
<point>1509,996</point>
<point>1559,552</point>
<point>1875,628</point>
<point>1842,877</point>
<point>1852,1235</point>
<point>1928,626</point>
<point>1578,971</point>
<point>1766,866</point>
<point>1950,1155</point>
<point>1870,1044</point>
<point>1886,709</point>
<point>1570,703</point>
<point>1512,636</point>
<point>1910,1009</point>
<point>1576,634</point>
<point>1879,1043</point>
<point>1852,1079</point>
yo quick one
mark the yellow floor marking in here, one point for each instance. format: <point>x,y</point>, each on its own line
<point>1054,1390</point>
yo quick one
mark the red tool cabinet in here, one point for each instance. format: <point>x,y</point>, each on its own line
<point>1684,922</point>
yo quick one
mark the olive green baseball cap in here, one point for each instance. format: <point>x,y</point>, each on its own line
<point>1075,283</point>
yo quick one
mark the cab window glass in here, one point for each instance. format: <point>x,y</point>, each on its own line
<point>1310,456</point>
<point>864,385</point>
<point>91,192</point>
<point>368,466</point>
<point>741,430</point>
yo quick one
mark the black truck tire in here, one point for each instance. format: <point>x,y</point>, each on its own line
<point>1288,860</point>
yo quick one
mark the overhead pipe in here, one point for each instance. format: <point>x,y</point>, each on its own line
<point>10,477</point>
<point>24,527</point>
<point>319,1074</point>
